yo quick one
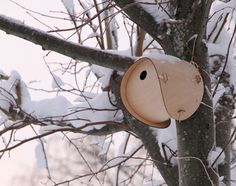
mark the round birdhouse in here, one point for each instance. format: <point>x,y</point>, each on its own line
<point>154,91</point>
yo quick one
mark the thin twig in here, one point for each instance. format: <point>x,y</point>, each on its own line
<point>226,62</point>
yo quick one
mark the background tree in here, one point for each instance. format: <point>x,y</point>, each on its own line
<point>201,32</point>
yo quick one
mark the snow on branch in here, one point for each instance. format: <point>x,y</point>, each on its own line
<point>96,116</point>
<point>75,51</point>
<point>155,24</point>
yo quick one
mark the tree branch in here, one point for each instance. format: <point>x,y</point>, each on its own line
<point>203,22</point>
<point>75,51</point>
<point>147,22</point>
<point>145,133</point>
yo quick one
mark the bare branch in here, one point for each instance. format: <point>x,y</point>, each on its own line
<point>226,62</point>
<point>75,51</point>
<point>203,23</point>
<point>147,22</point>
<point>145,133</point>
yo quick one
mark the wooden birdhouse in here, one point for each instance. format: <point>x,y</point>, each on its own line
<point>154,91</point>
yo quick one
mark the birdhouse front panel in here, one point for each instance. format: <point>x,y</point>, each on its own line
<point>142,96</point>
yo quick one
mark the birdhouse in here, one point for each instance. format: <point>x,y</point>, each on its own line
<point>154,91</point>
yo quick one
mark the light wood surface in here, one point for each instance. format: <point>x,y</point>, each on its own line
<point>154,91</point>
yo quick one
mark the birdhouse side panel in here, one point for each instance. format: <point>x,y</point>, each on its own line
<point>182,88</point>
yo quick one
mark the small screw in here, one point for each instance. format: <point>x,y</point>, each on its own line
<point>198,79</point>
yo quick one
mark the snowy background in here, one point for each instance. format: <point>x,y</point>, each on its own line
<point>26,164</point>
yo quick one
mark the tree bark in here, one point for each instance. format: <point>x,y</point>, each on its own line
<point>196,135</point>
<point>196,138</point>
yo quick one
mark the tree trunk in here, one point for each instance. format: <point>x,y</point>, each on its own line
<point>196,136</point>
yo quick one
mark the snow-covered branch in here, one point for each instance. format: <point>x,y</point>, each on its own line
<point>95,116</point>
<point>152,16</point>
<point>75,51</point>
